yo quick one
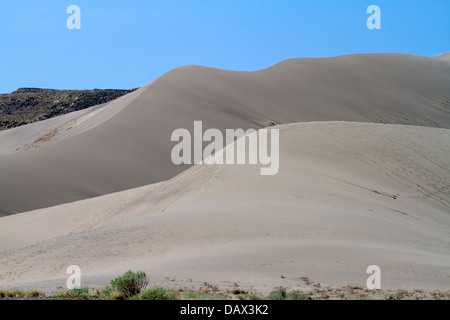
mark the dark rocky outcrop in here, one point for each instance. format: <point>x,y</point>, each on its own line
<point>27,105</point>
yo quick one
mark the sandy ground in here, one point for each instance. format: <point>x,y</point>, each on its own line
<point>347,195</point>
<point>126,143</point>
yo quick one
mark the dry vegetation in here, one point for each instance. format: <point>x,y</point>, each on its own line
<point>133,286</point>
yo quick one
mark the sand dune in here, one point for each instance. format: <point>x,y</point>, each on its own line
<point>444,56</point>
<point>364,179</point>
<point>126,143</point>
<point>348,195</point>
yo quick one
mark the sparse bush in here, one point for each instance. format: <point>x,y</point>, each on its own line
<point>80,292</point>
<point>278,294</point>
<point>15,293</point>
<point>21,294</point>
<point>35,294</point>
<point>117,295</point>
<point>130,284</point>
<point>106,293</point>
<point>64,294</point>
<point>94,293</point>
<point>297,295</point>
<point>158,293</point>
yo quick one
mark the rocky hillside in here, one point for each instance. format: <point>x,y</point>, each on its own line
<point>27,105</point>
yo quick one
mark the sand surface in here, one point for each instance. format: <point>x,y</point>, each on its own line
<point>348,195</point>
<point>126,143</point>
<point>364,179</point>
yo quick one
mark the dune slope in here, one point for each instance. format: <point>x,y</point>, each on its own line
<point>126,143</point>
<point>348,195</point>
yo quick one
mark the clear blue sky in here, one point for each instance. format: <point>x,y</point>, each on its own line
<point>128,43</point>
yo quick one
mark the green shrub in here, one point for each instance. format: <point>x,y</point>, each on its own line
<point>130,284</point>
<point>158,293</point>
<point>80,292</point>
<point>109,293</point>
<point>106,293</point>
<point>278,294</point>
<point>297,295</point>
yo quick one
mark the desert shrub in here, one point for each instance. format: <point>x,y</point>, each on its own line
<point>130,284</point>
<point>109,293</point>
<point>94,293</point>
<point>15,293</point>
<point>64,294</point>
<point>297,295</point>
<point>278,294</point>
<point>158,293</point>
<point>35,294</point>
<point>80,292</point>
<point>106,292</point>
<point>117,295</point>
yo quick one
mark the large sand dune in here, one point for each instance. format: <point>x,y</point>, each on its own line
<point>126,143</point>
<point>348,195</point>
<point>363,180</point>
